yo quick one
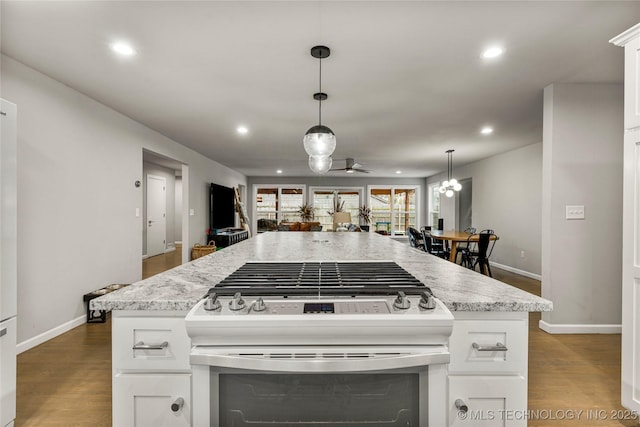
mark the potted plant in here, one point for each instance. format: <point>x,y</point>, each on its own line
<point>306,212</point>
<point>364,214</point>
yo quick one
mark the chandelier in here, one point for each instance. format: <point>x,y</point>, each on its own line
<point>320,141</point>
<point>451,184</point>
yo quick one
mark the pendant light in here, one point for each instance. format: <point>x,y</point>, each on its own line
<point>451,184</point>
<point>320,164</point>
<point>320,141</point>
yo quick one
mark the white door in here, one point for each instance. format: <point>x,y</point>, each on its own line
<point>8,210</point>
<point>631,273</point>
<point>156,215</point>
<point>630,39</point>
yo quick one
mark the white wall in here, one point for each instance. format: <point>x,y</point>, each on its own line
<point>77,230</point>
<point>177,222</point>
<point>581,263</point>
<point>506,197</point>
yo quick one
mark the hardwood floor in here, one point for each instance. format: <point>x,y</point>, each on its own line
<point>67,380</point>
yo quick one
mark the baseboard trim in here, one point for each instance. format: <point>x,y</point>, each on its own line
<point>579,328</point>
<point>51,333</point>
<point>170,249</point>
<point>517,271</point>
<point>145,256</point>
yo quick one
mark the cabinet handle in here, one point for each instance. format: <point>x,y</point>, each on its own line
<point>142,346</point>
<point>498,347</point>
<point>176,406</point>
<point>461,406</point>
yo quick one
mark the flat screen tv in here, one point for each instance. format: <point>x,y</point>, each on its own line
<point>222,208</point>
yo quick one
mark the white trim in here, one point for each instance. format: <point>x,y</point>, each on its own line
<point>627,36</point>
<point>50,334</point>
<point>170,249</point>
<point>579,329</point>
<point>517,271</point>
<point>145,256</point>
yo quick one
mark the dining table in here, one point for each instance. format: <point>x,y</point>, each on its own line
<point>453,237</point>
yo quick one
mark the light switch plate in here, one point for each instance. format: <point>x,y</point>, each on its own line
<point>192,212</point>
<point>574,212</point>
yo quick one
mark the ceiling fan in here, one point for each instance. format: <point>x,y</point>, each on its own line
<point>351,167</point>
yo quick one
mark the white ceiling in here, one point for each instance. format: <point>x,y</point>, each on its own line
<point>405,79</point>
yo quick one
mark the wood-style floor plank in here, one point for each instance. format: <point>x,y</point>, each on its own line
<point>67,380</point>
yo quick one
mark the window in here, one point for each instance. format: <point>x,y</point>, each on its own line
<point>275,204</point>
<point>393,209</point>
<point>322,199</point>
<point>434,204</point>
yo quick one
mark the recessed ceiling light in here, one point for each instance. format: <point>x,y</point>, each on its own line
<point>279,171</point>
<point>242,130</point>
<point>487,130</point>
<point>123,49</point>
<point>398,172</point>
<point>492,52</point>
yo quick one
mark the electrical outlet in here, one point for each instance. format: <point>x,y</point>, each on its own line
<point>521,254</point>
<point>574,212</point>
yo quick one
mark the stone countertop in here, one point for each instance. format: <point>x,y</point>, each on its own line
<point>460,289</point>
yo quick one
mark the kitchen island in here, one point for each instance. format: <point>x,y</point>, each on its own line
<point>151,348</point>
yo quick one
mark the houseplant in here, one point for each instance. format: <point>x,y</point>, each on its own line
<point>306,212</point>
<point>364,215</point>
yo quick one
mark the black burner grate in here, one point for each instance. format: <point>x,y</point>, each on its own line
<point>327,278</point>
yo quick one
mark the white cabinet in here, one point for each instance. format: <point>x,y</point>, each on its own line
<point>7,371</point>
<point>630,39</point>
<point>487,375</point>
<point>146,400</point>
<point>151,370</point>
<point>491,400</point>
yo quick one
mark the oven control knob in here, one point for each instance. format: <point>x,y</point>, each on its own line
<point>237,303</point>
<point>402,302</point>
<point>427,302</point>
<point>259,305</point>
<point>212,303</point>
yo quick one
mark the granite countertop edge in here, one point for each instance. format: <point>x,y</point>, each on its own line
<point>460,289</point>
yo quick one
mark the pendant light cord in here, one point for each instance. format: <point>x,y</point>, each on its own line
<point>320,91</point>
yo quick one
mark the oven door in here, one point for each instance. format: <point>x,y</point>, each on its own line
<point>319,386</point>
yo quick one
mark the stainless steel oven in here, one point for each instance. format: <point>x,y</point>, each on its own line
<point>344,386</point>
<point>371,356</point>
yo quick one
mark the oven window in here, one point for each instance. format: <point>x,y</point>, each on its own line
<point>319,399</point>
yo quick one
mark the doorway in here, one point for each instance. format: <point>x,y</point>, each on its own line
<point>465,204</point>
<point>165,201</point>
<point>156,218</point>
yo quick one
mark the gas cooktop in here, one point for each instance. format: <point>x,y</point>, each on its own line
<point>343,278</point>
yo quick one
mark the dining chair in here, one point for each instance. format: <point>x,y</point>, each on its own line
<point>437,245</point>
<point>486,242</point>
<point>468,251</point>
<point>465,246</point>
<point>431,248</point>
<point>416,239</point>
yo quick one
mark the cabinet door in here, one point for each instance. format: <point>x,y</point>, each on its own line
<point>631,273</point>
<point>144,400</point>
<point>632,84</point>
<point>491,400</point>
<point>7,371</point>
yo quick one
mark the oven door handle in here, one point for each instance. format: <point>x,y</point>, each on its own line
<point>319,363</point>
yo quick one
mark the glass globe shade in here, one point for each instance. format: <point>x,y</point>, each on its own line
<point>442,190</point>
<point>453,182</point>
<point>319,141</point>
<point>445,184</point>
<point>449,193</point>
<point>320,164</point>
<point>457,186</point>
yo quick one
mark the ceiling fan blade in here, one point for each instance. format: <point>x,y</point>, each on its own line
<point>340,169</point>
<point>361,170</point>
<point>356,165</point>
